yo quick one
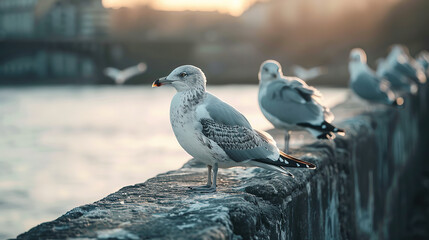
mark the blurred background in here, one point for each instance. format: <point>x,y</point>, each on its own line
<point>72,41</point>
<point>69,136</point>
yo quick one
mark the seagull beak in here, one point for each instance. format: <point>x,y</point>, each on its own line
<point>161,81</point>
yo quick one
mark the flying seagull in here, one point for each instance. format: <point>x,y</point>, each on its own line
<point>308,74</point>
<point>121,76</point>
<point>366,84</point>
<point>289,103</point>
<point>215,133</point>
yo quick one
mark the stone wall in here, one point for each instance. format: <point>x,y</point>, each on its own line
<point>362,189</point>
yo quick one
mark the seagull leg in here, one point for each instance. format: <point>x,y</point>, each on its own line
<point>287,138</point>
<point>211,188</point>
<point>209,176</point>
<point>209,180</point>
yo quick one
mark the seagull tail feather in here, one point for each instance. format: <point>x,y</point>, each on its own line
<point>289,161</point>
<point>324,127</point>
<point>271,167</point>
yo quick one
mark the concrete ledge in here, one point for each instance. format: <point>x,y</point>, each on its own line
<point>362,189</point>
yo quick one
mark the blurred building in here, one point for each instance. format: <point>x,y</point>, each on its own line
<point>57,18</point>
<point>51,39</point>
<point>57,41</point>
<point>17,18</point>
<point>72,18</point>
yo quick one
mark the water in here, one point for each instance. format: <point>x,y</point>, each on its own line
<point>61,147</point>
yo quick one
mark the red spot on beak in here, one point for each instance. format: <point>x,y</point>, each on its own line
<point>157,83</point>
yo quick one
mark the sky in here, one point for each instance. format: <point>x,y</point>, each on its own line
<point>233,7</point>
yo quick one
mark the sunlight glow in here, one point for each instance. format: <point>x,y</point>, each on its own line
<point>233,7</point>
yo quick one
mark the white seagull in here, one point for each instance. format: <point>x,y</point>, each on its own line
<point>366,84</point>
<point>121,76</point>
<point>401,71</point>
<point>407,65</point>
<point>423,61</point>
<point>308,74</point>
<point>215,133</point>
<point>289,103</point>
<point>397,80</point>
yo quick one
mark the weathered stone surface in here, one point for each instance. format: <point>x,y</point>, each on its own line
<point>362,189</point>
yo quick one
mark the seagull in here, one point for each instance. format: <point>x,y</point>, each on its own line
<point>308,74</point>
<point>407,65</point>
<point>366,84</point>
<point>215,133</point>
<point>289,103</point>
<point>423,61</point>
<point>398,81</point>
<point>121,76</point>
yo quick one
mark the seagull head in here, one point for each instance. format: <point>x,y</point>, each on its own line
<point>398,49</point>
<point>184,78</point>
<point>270,70</point>
<point>357,55</point>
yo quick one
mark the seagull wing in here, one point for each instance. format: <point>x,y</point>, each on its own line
<point>316,71</point>
<point>133,71</point>
<point>406,68</point>
<point>423,60</point>
<point>231,131</point>
<point>367,85</point>
<point>302,87</point>
<point>292,104</point>
<point>299,71</point>
<point>223,113</point>
<point>239,143</point>
<point>112,72</point>
<point>308,74</point>
<point>387,70</point>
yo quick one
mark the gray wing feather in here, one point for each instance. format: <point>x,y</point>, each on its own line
<point>402,64</point>
<point>280,101</point>
<point>303,87</point>
<point>111,72</point>
<point>239,143</point>
<point>223,113</point>
<point>369,87</point>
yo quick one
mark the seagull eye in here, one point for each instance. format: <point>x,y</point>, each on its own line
<point>183,74</point>
<point>266,69</point>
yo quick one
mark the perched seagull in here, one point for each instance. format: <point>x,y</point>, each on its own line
<point>121,76</point>
<point>423,61</point>
<point>407,65</point>
<point>308,74</point>
<point>289,103</point>
<point>215,133</point>
<point>366,84</point>
<point>398,81</point>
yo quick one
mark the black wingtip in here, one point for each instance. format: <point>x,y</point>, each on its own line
<point>287,173</point>
<point>328,136</point>
<point>326,128</point>
<point>339,130</point>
